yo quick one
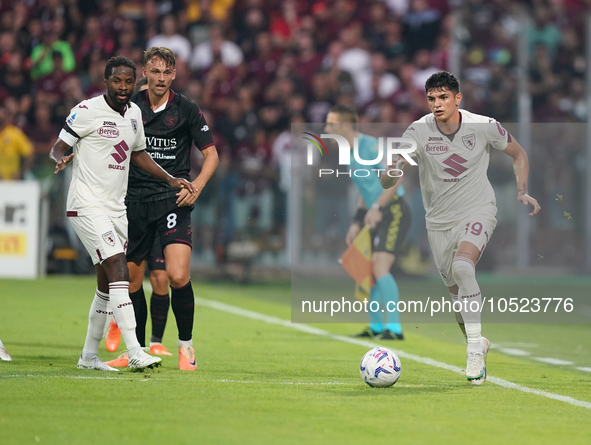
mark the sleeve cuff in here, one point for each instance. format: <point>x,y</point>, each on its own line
<point>68,138</point>
<point>206,146</point>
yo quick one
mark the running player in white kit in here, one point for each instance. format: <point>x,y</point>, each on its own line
<point>106,133</point>
<point>453,155</point>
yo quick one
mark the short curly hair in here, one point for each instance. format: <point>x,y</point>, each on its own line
<point>116,61</point>
<point>442,80</point>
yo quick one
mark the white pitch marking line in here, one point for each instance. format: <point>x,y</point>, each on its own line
<point>402,354</point>
<point>552,361</point>
<point>252,382</point>
<point>514,351</point>
<point>583,368</point>
<point>514,345</point>
<point>245,382</point>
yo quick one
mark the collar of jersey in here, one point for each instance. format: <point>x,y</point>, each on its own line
<point>450,136</point>
<point>170,97</point>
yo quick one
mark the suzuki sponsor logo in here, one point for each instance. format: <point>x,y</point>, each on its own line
<point>454,162</point>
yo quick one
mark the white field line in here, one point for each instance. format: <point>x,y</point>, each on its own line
<point>368,344</point>
<point>514,351</point>
<point>242,382</point>
<point>514,345</point>
<point>125,376</point>
<point>553,361</point>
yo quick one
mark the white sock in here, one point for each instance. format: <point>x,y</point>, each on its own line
<point>459,318</point>
<point>108,320</point>
<point>464,273</point>
<point>96,322</point>
<point>124,315</point>
<point>185,343</point>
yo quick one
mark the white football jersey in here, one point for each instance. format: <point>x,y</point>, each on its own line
<point>103,140</point>
<point>453,168</point>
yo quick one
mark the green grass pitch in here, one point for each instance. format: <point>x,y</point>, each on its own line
<point>263,382</point>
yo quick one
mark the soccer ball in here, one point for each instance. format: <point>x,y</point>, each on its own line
<point>380,367</point>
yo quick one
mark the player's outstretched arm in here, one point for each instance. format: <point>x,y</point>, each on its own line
<point>210,163</point>
<point>57,154</point>
<point>392,174</point>
<point>521,170</point>
<point>146,163</point>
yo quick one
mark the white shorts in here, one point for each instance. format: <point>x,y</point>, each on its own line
<point>103,236</point>
<point>477,229</point>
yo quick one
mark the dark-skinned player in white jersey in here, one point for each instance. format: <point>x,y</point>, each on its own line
<point>453,154</point>
<point>107,136</point>
<point>160,299</point>
<point>172,124</point>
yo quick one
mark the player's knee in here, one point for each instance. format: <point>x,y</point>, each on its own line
<point>116,269</point>
<point>159,283</point>
<point>463,270</point>
<point>178,279</point>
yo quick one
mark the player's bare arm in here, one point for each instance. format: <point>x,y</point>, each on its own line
<point>521,170</point>
<point>387,181</point>
<point>374,214</point>
<point>210,163</point>
<point>57,154</point>
<point>146,163</point>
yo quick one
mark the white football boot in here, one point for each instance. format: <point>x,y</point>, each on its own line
<point>485,347</point>
<point>94,363</point>
<point>4,355</point>
<point>142,361</point>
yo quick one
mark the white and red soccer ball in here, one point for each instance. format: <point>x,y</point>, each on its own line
<point>380,367</point>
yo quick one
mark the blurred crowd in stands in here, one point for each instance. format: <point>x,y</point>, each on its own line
<point>255,66</point>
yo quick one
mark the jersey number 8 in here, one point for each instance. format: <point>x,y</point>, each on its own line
<point>171,220</point>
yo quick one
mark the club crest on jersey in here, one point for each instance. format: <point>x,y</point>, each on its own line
<point>170,121</point>
<point>134,125</point>
<point>469,141</point>
<point>109,238</point>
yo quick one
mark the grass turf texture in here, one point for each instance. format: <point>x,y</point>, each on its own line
<point>263,383</point>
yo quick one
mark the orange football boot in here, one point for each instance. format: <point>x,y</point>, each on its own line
<point>158,349</point>
<point>187,360</point>
<point>113,337</point>
<point>120,362</point>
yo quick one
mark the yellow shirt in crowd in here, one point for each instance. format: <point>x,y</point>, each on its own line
<point>14,145</point>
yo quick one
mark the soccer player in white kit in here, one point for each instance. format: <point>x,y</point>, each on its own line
<point>4,356</point>
<point>453,155</point>
<point>106,133</point>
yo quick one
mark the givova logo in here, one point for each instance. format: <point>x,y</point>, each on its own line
<point>390,147</point>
